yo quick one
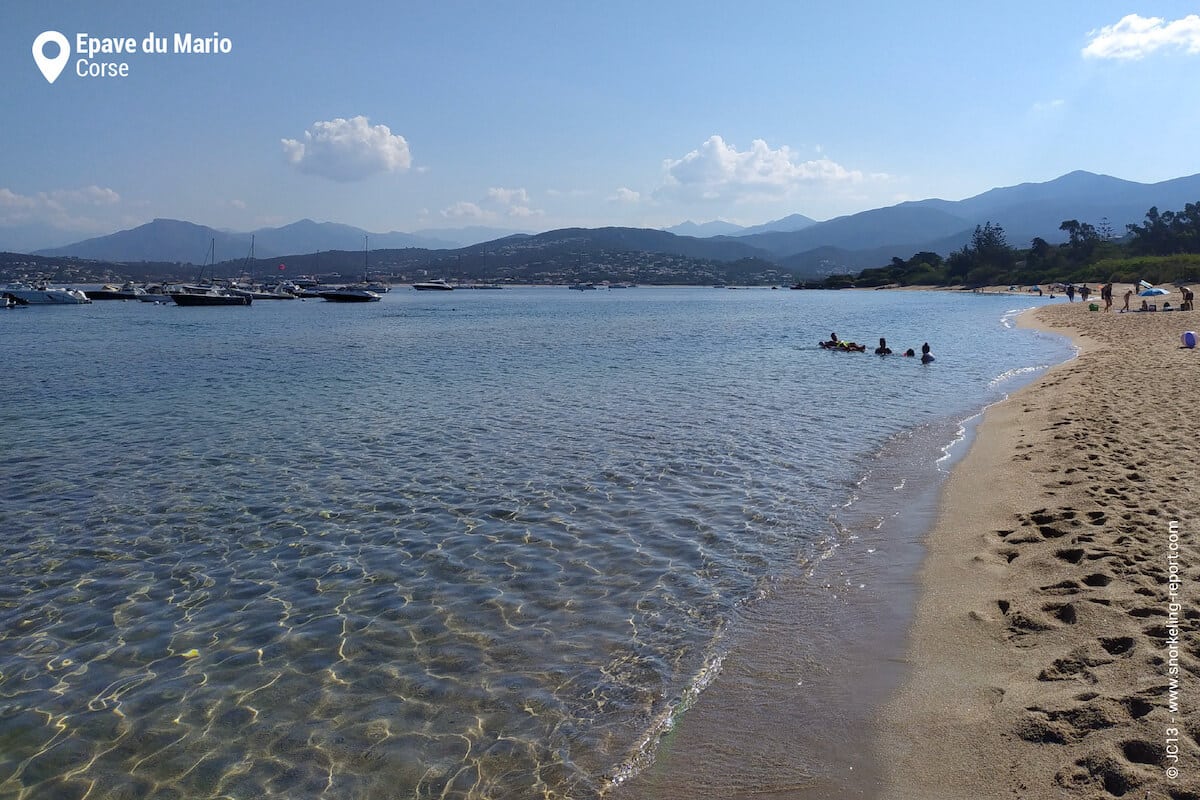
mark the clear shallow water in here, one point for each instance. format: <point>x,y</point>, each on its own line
<point>473,544</point>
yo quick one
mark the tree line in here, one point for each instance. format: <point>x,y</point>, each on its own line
<point>1164,248</point>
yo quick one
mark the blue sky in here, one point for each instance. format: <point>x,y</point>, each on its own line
<point>539,115</point>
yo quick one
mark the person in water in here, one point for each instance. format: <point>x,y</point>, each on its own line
<point>926,356</point>
<point>909,353</point>
<point>883,349</point>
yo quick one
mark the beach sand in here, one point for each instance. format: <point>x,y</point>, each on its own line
<point>1040,657</point>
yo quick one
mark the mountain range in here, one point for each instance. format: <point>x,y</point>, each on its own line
<point>798,243</point>
<point>719,227</point>
<point>172,240</point>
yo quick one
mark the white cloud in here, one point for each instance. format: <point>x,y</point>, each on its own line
<point>348,150</point>
<point>625,195</point>
<point>497,203</point>
<point>1136,36</point>
<point>508,197</point>
<point>568,192</point>
<point>66,209</point>
<point>1047,106</point>
<point>719,171</point>
<point>464,210</point>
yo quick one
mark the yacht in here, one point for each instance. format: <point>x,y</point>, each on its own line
<point>43,294</point>
<point>213,296</point>
<point>111,291</point>
<point>351,294</point>
<point>435,285</point>
<point>209,296</point>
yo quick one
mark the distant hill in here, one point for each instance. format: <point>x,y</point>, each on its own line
<point>465,237</point>
<point>866,239</point>
<point>792,222</point>
<point>717,227</point>
<point>307,236</point>
<point>644,240</point>
<point>175,240</point>
<point>871,238</point>
<point>160,240</point>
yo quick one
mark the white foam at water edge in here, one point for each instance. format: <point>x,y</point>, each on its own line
<point>1008,375</point>
<point>959,436</point>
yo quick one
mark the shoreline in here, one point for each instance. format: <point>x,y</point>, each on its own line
<point>791,716</point>
<point>1038,658</point>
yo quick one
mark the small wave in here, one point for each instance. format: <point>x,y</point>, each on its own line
<point>647,745</point>
<point>1008,375</point>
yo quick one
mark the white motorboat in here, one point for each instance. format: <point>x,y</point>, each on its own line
<point>435,285</point>
<point>43,294</point>
<point>350,294</point>
<point>111,291</point>
<point>209,296</point>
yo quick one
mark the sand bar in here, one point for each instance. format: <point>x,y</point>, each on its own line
<point>1042,650</point>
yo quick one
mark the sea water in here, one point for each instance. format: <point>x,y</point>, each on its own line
<point>470,543</point>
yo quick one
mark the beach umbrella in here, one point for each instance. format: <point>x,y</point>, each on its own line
<point>1151,292</point>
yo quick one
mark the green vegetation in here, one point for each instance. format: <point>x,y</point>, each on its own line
<point>1163,249</point>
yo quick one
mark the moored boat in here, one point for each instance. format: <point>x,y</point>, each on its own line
<point>211,296</point>
<point>435,285</point>
<point>111,291</point>
<point>43,294</point>
<point>350,294</point>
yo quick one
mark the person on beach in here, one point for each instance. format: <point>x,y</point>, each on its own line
<point>1106,295</point>
<point>1084,291</point>
<point>1070,293</point>
<point>883,349</point>
<point>1128,295</point>
<point>926,356</point>
<point>1186,305</point>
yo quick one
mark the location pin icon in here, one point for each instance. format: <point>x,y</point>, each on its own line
<point>51,67</point>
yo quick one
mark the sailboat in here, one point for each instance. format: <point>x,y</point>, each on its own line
<point>355,293</point>
<point>257,292</point>
<point>208,294</point>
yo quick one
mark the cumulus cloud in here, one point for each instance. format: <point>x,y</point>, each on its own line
<point>348,150</point>
<point>496,204</point>
<point>1136,36</point>
<point>1047,106</point>
<point>68,209</point>
<point>625,195</point>
<point>464,210</point>
<point>718,170</point>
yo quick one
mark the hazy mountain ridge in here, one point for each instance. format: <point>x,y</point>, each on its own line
<point>187,242</point>
<point>868,238</point>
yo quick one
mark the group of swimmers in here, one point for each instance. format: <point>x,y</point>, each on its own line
<point>835,343</point>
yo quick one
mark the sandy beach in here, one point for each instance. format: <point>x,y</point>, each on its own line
<point>1059,595</point>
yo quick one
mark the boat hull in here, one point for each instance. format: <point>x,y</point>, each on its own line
<point>105,294</point>
<point>188,299</point>
<point>47,297</point>
<point>350,297</point>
